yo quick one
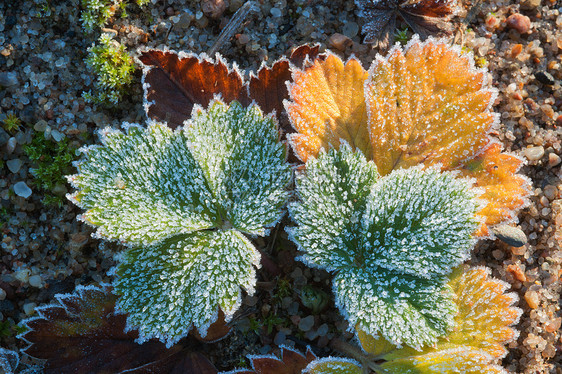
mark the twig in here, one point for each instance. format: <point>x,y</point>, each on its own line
<point>235,22</point>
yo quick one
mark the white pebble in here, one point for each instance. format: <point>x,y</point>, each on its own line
<point>22,275</point>
<point>35,281</point>
<point>22,190</point>
<point>534,153</point>
<point>29,308</point>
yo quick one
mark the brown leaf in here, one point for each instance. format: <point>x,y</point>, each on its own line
<point>291,362</point>
<point>174,83</point>
<point>82,334</point>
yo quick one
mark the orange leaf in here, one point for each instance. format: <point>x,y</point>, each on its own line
<point>328,105</point>
<point>425,105</point>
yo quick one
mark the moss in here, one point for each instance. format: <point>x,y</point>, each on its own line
<point>11,123</point>
<point>113,68</point>
<point>96,13</point>
<point>51,162</point>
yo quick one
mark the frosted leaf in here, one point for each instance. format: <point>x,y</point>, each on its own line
<point>9,361</point>
<point>390,241</point>
<point>482,327</point>
<point>425,17</point>
<point>425,104</point>
<point>243,162</point>
<point>195,189</point>
<point>143,186</point>
<point>333,192</point>
<point>182,282</point>
<point>333,365</point>
<point>290,362</point>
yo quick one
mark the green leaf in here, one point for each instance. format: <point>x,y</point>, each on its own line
<point>182,200</point>
<point>390,241</point>
<point>144,186</point>
<point>167,287</point>
<point>242,159</point>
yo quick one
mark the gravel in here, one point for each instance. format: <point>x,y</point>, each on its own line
<point>45,250</point>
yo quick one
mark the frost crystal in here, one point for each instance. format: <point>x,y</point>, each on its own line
<point>181,201</point>
<point>391,241</point>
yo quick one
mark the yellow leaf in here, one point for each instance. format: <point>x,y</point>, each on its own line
<point>483,323</point>
<point>425,105</point>
<point>331,365</point>
<point>328,106</point>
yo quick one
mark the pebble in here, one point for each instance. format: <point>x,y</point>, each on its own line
<point>519,22</point>
<point>280,338</point>
<point>41,125</point>
<point>550,192</point>
<point>213,8</point>
<point>530,4</point>
<point>350,29</point>
<point>2,294</point>
<point>184,20</point>
<point>532,299</point>
<point>306,323</point>
<point>534,153</point>
<point>14,165</point>
<point>35,281</point>
<point>3,137</point>
<point>510,235</point>
<point>8,79</point>
<point>276,12</point>
<point>545,78</point>
<point>553,325</point>
<point>517,272</point>
<point>553,159</point>
<point>21,189</point>
<point>11,145</point>
<point>29,308</point>
<point>340,41</point>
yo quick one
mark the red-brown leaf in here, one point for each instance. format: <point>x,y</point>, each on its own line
<point>177,82</point>
<point>82,334</point>
<point>291,362</point>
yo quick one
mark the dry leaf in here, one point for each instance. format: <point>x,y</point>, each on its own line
<point>425,105</point>
<point>174,82</point>
<point>80,333</point>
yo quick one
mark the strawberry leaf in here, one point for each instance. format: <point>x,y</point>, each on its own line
<point>175,82</point>
<point>182,201</point>
<point>482,327</point>
<point>81,333</point>
<point>426,104</point>
<point>290,362</point>
<point>391,242</point>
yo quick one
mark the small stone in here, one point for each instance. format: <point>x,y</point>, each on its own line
<point>534,153</point>
<point>530,4</point>
<point>22,190</point>
<point>57,135</point>
<point>184,20</point>
<point>553,159</point>
<point>517,273</point>
<point>516,50</point>
<point>170,11</point>
<point>29,308</point>
<point>2,294</point>
<point>519,22</point>
<point>510,235</point>
<point>550,192</point>
<point>40,126</point>
<point>8,79</point>
<point>545,78</point>
<point>276,12</point>
<point>35,281</point>
<point>340,41</point>
<point>11,145</point>
<point>14,165</point>
<point>553,325</point>
<point>350,29</point>
<point>213,8</point>
<point>280,338</point>
<point>243,39</point>
<point>532,299</point>
<point>4,136</point>
<point>306,323</point>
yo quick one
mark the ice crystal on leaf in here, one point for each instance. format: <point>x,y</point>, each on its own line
<point>81,333</point>
<point>390,241</point>
<point>182,201</point>
<point>425,17</point>
<point>290,362</point>
<point>426,104</point>
<point>482,327</point>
